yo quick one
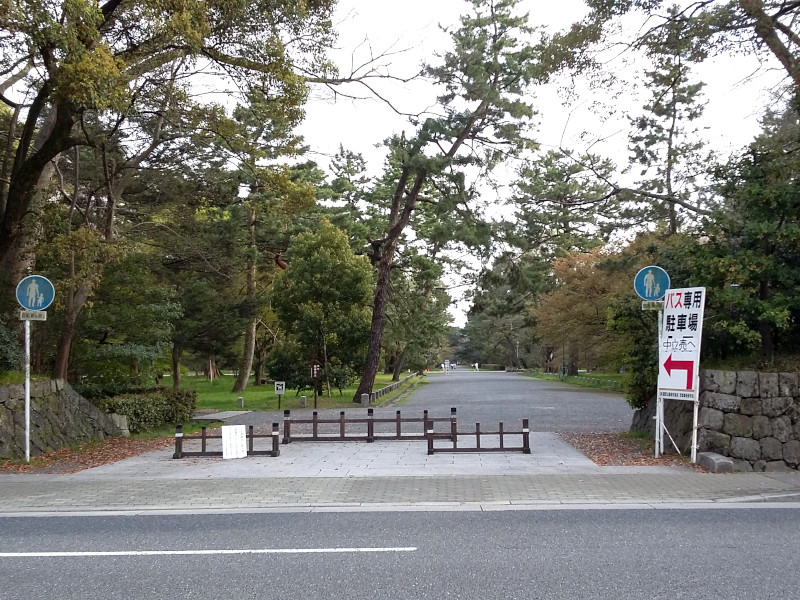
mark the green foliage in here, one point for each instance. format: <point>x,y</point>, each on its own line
<point>146,411</point>
<point>639,331</point>
<point>287,362</point>
<point>10,350</point>
<point>323,297</point>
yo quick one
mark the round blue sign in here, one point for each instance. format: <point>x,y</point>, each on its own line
<point>35,293</point>
<point>651,283</point>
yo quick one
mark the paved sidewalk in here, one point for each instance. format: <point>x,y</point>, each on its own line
<point>383,475</point>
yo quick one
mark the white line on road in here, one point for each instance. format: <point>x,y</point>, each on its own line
<point>201,552</point>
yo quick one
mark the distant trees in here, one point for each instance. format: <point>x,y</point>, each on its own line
<point>323,300</point>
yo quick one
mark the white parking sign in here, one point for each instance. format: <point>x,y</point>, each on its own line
<point>679,351</point>
<point>280,388</point>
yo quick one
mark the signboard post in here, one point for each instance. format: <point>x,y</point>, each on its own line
<point>316,373</point>
<point>280,390</point>
<point>34,294</point>
<point>680,335</point>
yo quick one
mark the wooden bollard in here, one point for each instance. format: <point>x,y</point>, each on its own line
<point>370,425</point>
<point>453,427</point>
<point>250,439</point>
<point>526,437</point>
<point>341,424</point>
<point>398,425</point>
<point>314,425</point>
<point>429,435</point>
<point>276,434</point>
<point>287,427</point>
<point>178,441</point>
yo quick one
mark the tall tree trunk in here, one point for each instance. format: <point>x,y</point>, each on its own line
<point>26,174</point>
<point>246,362</point>
<point>176,367</point>
<point>74,299</point>
<point>403,203</point>
<point>399,364</point>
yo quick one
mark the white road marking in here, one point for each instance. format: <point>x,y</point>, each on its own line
<point>201,552</point>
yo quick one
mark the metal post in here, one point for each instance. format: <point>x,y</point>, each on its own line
<point>203,440</point>
<point>276,451</point>
<point>370,425</point>
<point>500,429</point>
<point>425,420</point>
<point>178,441</point>
<point>287,427</point>
<point>453,427</point>
<point>250,440</point>
<point>478,436</point>
<point>314,425</point>
<point>659,399</point>
<point>429,435</point>
<point>694,423</point>
<point>27,391</point>
<point>398,423</point>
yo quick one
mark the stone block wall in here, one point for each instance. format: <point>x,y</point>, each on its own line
<point>754,418</point>
<point>60,417</point>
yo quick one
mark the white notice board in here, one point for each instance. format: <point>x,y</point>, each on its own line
<point>234,441</point>
<point>679,344</point>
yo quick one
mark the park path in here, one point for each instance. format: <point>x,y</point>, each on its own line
<point>489,397</point>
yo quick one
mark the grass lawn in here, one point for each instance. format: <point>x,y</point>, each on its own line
<point>217,395</point>
<point>600,381</point>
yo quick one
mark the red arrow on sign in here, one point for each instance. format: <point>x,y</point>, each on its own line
<point>680,365</point>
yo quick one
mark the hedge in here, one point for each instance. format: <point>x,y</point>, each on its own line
<point>154,409</point>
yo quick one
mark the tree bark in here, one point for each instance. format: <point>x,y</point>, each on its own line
<point>400,363</point>
<point>381,298</point>
<point>74,299</point>
<point>246,362</point>
<point>176,367</point>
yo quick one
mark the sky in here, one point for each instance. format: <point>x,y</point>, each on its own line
<point>736,90</point>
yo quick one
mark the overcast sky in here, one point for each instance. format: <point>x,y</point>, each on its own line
<point>411,29</point>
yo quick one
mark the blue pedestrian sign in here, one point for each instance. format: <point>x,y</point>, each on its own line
<point>651,283</point>
<point>35,293</point>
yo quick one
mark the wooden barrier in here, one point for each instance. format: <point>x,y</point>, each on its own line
<point>478,434</point>
<point>204,437</point>
<point>380,393</point>
<point>368,433</point>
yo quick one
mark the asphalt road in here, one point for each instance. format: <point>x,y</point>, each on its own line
<point>490,397</point>
<point>557,554</point>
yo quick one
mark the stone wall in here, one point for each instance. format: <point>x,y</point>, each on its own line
<point>754,418</point>
<point>60,417</point>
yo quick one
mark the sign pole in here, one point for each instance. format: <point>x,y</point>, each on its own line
<point>27,391</point>
<point>659,401</point>
<point>34,294</point>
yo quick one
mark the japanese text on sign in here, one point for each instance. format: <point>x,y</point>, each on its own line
<point>679,350</point>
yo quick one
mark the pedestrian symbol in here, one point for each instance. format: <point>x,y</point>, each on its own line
<point>651,283</point>
<point>35,293</point>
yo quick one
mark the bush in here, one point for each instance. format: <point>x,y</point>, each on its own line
<point>10,351</point>
<point>99,390</point>
<point>492,367</point>
<point>151,410</point>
